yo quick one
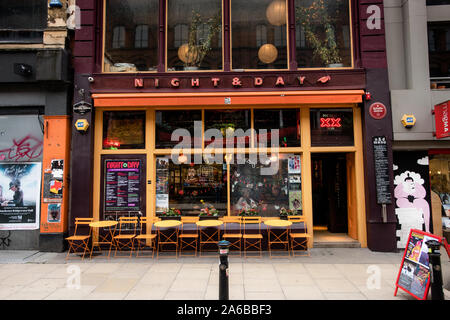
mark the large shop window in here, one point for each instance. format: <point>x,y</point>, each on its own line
<point>131,35</point>
<point>259,34</point>
<point>286,121</point>
<point>227,127</point>
<point>180,126</point>
<point>323,33</point>
<point>264,184</point>
<point>440,183</point>
<point>190,187</point>
<point>194,35</point>
<point>123,130</point>
<point>331,127</point>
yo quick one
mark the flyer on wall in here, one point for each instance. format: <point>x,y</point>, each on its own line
<point>20,189</point>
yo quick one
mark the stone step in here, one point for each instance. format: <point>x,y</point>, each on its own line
<point>337,244</point>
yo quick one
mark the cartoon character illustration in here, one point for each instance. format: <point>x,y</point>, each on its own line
<point>415,252</point>
<point>410,193</point>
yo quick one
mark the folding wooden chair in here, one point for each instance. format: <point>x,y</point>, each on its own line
<point>127,233</point>
<point>188,236</point>
<point>81,236</point>
<point>298,239</point>
<point>146,238</point>
<point>252,236</point>
<point>232,232</point>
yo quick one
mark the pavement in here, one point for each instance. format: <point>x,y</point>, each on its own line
<point>327,274</point>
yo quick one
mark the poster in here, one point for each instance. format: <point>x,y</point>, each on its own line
<point>54,212</point>
<point>162,202</point>
<point>162,184</point>
<point>294,166</point>
<point>414,274</point>
<point>20,190</point>
<point>122,185</point>
<point>295,200</point>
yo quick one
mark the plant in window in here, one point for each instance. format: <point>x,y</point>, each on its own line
<point>172,212</point>
<point>208,210</point>
<point>312,19</point>
<point>288,212</point>
<point>248,212</point>
<point>193,52</point>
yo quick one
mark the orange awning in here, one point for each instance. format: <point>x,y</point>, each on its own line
<point>227,98</point>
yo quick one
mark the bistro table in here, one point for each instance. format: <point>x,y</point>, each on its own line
<point>170,238</point>
<point>103,239</point>
<point>209,238</point>
<point>274,237</point>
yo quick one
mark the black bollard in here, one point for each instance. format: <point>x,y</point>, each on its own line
<point>435,269</point>
<point>224,246</point>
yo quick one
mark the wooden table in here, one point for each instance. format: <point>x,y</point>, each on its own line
<point>276,237</point>
<point>170,238</point>
<point>103,239</point>
<point>208,238</point>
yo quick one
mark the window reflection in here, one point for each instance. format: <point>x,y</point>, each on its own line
<point>194,29</point>
<point>323,33</point>
<point>286,121</point>
<point>259,34</point>
<point>169,121</point>
<point>226,126</point>
<point>131,35</point>
<point>123,130</point>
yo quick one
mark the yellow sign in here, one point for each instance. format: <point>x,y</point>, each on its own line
<point>408,120</point>
<point>82,125</point>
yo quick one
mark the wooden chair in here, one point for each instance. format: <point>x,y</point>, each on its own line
<point>81,236</point>
<point>188,237</point>
<point>299,239</point>
<point>231,234</point>
<point>146,238</point>
<point>127,232</point>
<point>252,236</point>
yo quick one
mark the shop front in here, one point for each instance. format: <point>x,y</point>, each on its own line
<point>227,107</point>
<point>230,159</point>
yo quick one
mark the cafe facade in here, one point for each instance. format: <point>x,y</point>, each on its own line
<point>264,105</point>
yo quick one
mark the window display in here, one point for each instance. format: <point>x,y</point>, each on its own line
<point>123,130</point>
<point>440,183</point>
<point>267,194</point>
<point>190,187</point>
<point>228,122</point>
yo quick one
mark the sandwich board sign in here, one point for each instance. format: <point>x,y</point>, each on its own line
<point>414,274</point>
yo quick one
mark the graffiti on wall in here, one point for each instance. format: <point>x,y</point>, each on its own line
<point>28,148</point>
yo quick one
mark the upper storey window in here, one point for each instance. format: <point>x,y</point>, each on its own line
<point>131,35</point>
<point>259,34</point>
<point>194,29</point>
<point>323,33</point>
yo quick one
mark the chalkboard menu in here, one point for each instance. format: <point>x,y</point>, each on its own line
<point>122,185</point>
<point>381,169</point>
<point>414,274</point>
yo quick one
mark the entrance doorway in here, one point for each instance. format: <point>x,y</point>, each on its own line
<point>329,189</point>
<point>334,211</point>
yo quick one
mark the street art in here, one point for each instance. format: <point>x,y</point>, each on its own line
<point>27,148</point>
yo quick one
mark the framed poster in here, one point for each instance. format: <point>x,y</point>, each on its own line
<point>414,273</point>
<point>20,191</point>
<point>123,184</point>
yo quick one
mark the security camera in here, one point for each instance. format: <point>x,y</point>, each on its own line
<point>91,79</point>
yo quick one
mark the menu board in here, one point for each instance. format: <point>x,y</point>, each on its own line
<point>122,185</point>
<point>414,274</point>
<point>381,170</point>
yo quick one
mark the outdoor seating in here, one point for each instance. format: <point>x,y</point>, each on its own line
<point>252,236</point>
<point>232,232</point>
<point>80,238</point>
<point>146,237</point>
<point>278,235</point>
<point>188,236</point>
<point>127,232</point>
<point>299,239</point>
<point>168,231</point>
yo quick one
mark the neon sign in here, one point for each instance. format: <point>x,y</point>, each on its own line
<point>330,122</point>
